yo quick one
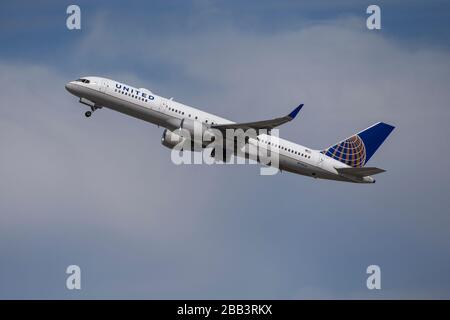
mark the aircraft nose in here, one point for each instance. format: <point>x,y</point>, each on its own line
<point>71,87</point>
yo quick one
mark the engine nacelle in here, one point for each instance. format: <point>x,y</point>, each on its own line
<point>193,127</point>
<point>170,139</point>
<point>200,133</point>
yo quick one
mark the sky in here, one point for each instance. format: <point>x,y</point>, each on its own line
<point>102,193</point>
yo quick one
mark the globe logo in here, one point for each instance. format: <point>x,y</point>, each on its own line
<point>350,151</point>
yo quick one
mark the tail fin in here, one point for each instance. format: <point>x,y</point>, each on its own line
<point>356,150</point>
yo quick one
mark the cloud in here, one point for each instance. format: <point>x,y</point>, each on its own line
<point>102,191</point>
<point>348,78</point>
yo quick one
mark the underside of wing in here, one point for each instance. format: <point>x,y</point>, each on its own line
<point>360,172</point>
<point>260,125</point>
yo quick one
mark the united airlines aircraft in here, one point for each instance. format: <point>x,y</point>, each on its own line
<point>343,161</point>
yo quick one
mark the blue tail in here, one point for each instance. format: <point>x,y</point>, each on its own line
<point>356,150</point>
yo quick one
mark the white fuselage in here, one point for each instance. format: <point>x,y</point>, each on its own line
<point>143,104</point>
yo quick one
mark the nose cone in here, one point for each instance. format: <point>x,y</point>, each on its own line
<point>71,87</point>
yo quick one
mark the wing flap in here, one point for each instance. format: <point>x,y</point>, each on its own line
<point>359,172</point>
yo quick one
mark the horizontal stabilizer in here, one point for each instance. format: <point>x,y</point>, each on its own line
<point>360,172</point>
<point>259,125</point>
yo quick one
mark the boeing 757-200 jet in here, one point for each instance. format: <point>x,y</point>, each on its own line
<point>343,161</point>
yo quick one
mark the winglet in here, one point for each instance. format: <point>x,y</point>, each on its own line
<point>294,112</point>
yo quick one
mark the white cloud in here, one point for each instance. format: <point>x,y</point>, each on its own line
<point>59,170</point>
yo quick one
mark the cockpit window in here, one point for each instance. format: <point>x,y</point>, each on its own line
<point>82,80</point>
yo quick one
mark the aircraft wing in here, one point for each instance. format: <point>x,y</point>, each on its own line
<point>259,125</point>
<point>360,172</point>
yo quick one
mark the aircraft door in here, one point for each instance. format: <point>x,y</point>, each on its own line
<point>103,85</point>
<point>321,160</point>
<point>163,105</point>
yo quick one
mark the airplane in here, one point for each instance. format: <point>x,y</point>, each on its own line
<point>342,161</point>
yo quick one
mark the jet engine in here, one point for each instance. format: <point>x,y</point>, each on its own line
<point>200,133</point>
<point>170,139</point>
<point>193,127</point>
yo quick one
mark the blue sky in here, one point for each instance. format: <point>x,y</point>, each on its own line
<point>103,194</point>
